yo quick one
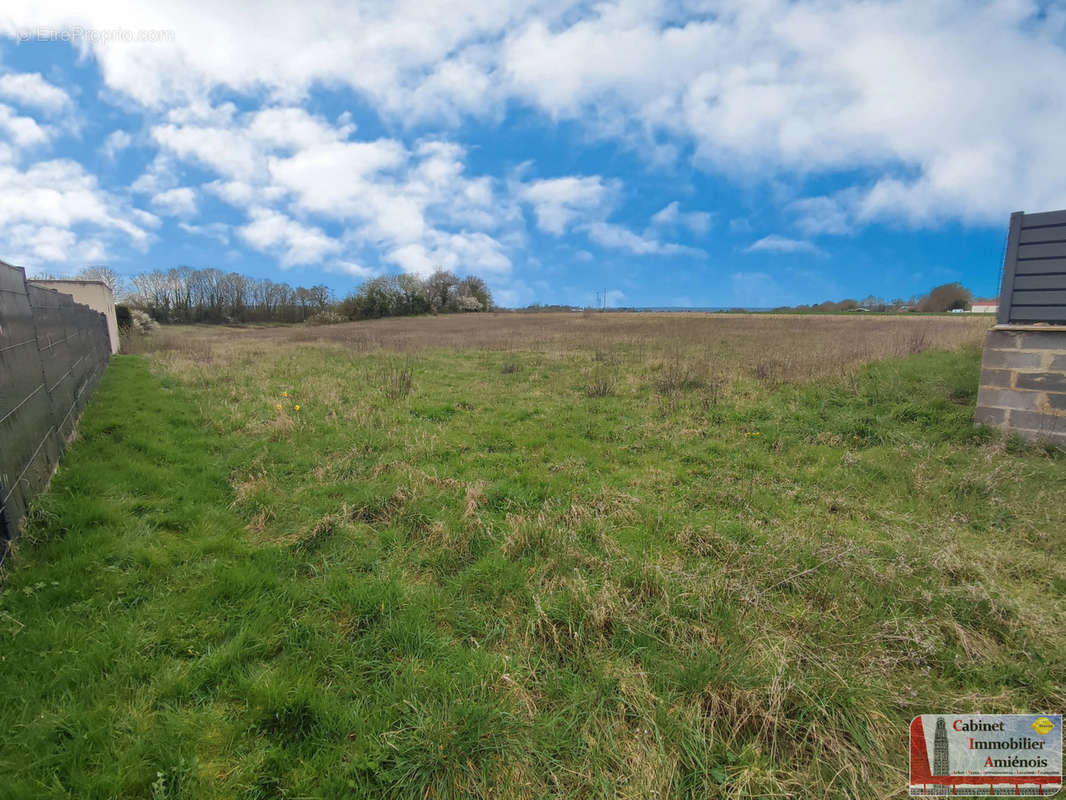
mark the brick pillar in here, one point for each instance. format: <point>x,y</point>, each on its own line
<point>1023,381</point>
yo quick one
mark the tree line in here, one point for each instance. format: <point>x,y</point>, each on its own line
<point>946,297</point>
<point>183,294</point>
<point>186,295</point>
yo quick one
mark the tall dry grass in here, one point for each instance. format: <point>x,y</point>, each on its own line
<point>674,348</point>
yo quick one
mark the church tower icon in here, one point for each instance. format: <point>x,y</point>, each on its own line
<point>940,748</point>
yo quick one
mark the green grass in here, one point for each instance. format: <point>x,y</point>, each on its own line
<point>499,583</point>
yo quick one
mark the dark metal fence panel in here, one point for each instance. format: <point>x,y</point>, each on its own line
<point>52,353</point>
<point>1034,269</point>
<point>25,407</point>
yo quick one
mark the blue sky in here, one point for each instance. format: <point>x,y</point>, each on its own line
<point>713,153</point>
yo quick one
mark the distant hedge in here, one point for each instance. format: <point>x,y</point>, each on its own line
<point>407,295</point>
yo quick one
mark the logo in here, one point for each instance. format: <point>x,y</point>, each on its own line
<point>981,755</point>
<point>1043,726</point>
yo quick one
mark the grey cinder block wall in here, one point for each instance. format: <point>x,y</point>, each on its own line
<point>1023,382</point>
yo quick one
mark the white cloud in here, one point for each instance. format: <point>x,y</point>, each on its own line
<point>62,193</point>
<point>54,211</point>
<point>817,215</point>
<point>698,222</point>
<point>30,89</point>
<point>781,244</point>
<point>566,70</point>
<point>668,215</point>
<point>607,234</point>
<point>457,86</point>
<point>583,203</point>
<point>224,150</point>
<point>116,142</point>
<point>294,128</point>
<point>158,177</point>
<point>352,268</point>
<point>330,178</point>
<point>942,90</point>
<point>180,202</point>
<point>934,100</point>
<point>477,253</point>
<point>215,230</point>
<point>414,258</point>
<point>927,112</point>
<point>558,202</point>
<point>241,194</point>
<point>385,51</point>
<point>413,207</point>
<point>34,244</point>
<point>24,132</point>
<point>295,243</point>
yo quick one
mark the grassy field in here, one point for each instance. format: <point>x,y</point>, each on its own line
<point>520,556</point>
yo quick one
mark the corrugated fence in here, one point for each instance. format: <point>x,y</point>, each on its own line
<point>52,353</point>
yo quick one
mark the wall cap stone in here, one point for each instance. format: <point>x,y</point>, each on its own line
<point>1034,328</point>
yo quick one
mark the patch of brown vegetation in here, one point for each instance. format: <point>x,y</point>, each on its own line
<point>677,350</point>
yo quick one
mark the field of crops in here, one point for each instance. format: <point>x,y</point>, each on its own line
<point>528,556</point>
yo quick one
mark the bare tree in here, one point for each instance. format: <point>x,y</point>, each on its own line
<point>210,295</point>
<point>105,275</point>
<point>440,288</point>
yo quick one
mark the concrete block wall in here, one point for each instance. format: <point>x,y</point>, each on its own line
<point>1023,381</point>
<point>52,354</point>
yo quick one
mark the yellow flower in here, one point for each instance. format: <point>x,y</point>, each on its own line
<point>295,408</point>
<point>278,406</point>
<point>284,394</point>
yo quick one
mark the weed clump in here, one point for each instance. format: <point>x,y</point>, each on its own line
<point>600,384</point>
<point>396,381</point>
<point>677,374</point>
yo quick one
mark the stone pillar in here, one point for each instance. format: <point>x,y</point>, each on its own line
<point>1023,381</point>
